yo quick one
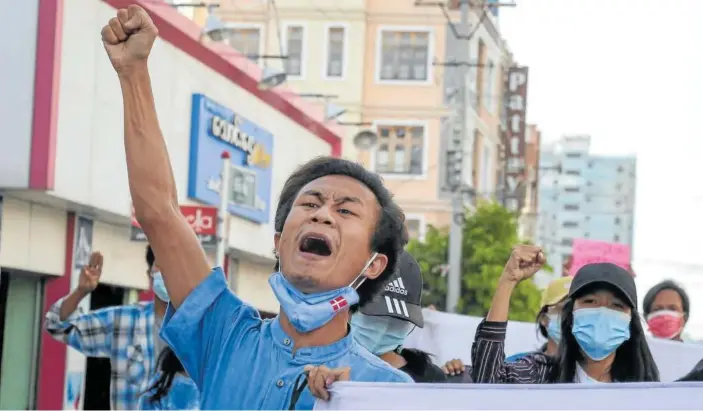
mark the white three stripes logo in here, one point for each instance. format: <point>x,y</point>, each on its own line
<point>394,305</point>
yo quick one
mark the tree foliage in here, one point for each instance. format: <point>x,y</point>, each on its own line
<point>490,233</point>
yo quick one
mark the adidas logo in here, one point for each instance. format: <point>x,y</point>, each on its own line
<point>397,286</point>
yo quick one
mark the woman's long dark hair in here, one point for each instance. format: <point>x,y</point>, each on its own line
<point>633,360</point>
<point>169,366</point>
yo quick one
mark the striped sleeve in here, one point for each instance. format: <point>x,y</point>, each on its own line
<point>488,359</point>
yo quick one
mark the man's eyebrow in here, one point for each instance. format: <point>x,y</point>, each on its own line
<point>338,200</point>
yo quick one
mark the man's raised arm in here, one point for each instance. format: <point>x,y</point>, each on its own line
<point>128,39</point>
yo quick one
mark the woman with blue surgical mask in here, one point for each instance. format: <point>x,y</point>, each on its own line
<point>382,325</point>
<point>602,339</point>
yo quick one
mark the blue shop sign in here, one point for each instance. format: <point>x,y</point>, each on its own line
<point>214,129</point>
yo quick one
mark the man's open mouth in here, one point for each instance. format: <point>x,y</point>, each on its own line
<point>317,245</point>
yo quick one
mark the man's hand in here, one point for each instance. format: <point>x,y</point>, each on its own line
<point>128,38</point>
<point>453,367</point>
<point>320,378</point>
<point>90,274</point>
<point>524,262</point>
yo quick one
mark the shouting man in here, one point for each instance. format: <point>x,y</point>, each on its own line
<point>338,237</point>
<point>126,334</point>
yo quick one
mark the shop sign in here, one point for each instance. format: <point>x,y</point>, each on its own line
<point>516,108</point>
<point>214,129</point>
<point>203,219</point>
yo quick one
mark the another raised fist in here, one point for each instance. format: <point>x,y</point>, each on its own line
<point>128,38</point>
<point>90,274</point>
<point>524,262</point>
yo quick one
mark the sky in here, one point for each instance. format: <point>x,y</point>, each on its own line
<point>624,71</point>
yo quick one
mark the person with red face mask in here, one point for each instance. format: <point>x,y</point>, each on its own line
<point>666,307</point>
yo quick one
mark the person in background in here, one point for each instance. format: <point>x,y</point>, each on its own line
<point>126,334</point>
<point>338,234</point>
<point>666,308</point>
<point>383,325</point>
<point>601,339</point>
<point>548,324</point>
<point>171,388</point>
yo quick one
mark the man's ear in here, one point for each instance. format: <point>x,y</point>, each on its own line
<point>276,240</point>
<point>376,267</point>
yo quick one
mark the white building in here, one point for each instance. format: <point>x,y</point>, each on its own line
<point>63,176</point>
<point>582,195</point>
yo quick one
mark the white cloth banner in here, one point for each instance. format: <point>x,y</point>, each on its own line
<point>448,336</point>
<point>625,396</point>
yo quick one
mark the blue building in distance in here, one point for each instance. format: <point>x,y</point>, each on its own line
<point>583,196</point>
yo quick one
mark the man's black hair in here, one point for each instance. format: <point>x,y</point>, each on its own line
<point>665,285</point>
<point>390,236</point>
<point>149,257</point>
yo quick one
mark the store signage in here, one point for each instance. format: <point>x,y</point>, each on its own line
<point>214,129</point>
<point>516,108</point>
<point>203,219</point>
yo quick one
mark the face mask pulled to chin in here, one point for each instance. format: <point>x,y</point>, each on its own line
<point>308,312</point>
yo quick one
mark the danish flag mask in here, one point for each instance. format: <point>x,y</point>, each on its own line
<point>308,312</point>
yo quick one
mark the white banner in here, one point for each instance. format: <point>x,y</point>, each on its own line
<point>639,396</point>
<point>448,336</point>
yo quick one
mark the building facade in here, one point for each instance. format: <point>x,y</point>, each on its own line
<point>385,63</point>
<point>530,206</point>
<point>582,195</point>
<point>63,177</point>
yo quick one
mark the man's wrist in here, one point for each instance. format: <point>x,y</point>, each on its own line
<point>133,72</point>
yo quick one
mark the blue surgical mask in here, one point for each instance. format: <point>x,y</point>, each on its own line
<point>554,327</point>
<point>379,334</point>
<point>308,312</point>
<point>600,331</point>
<point>159,287</point>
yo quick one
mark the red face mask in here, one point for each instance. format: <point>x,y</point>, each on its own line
<point>665,324</point>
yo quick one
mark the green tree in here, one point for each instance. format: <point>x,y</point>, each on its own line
<point>490,233</point>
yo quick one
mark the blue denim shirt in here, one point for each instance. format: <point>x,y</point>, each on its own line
<point>239,361</point>
<point>182,395</point>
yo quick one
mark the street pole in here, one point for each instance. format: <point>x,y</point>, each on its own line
<point>460,135</point>
<point>223,211</point>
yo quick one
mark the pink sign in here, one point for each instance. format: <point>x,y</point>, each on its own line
<point>590,251</point>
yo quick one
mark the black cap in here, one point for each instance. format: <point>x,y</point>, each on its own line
<point>605,273</point>
<point>402,296</point>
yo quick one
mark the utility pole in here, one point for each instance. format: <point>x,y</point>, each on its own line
<point>455,169</point>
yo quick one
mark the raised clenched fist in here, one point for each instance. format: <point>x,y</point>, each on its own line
<point>128,38</point>
<point>524,262</point>
<point>90,274</point>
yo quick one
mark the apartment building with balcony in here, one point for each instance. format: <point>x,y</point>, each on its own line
<point>377,60</point>
<point>582,195</point>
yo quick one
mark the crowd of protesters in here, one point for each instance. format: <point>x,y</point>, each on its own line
<point>349,294</point>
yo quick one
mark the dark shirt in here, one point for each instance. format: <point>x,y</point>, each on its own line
<point>420,368</point>
<point>489,364</point>
<point>463,378</point>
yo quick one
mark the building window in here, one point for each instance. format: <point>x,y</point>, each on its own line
<point>400,150</point>
<point>486,168</point>
<point>617,221</point>
<point>572,189</point>
<point>621,169</point>
<point>405,55</point>
<point>570,224</point>
<point>489,82</point>
<point>336,38</point>
<point>590,164</point>
<point>294,50</point>
<point>416,226</point>
<point>586,234</point>
<point>246,40</point>
<point>572,173</point>
<point>573,155</point>
<point>567,242</point>
<point>616,238</point>
<point>571,207</point>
